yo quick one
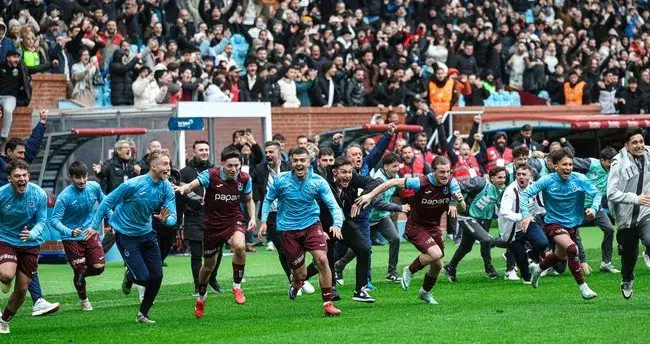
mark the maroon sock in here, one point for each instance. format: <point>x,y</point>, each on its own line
<point>7,315</point>
<point>574,263</point>
<point>93,271</point>
<point>326,293</point>
<point>80,284</point>
<point>550,260</point>
<point>416,265</point>
<point>237,272</point>
<point>429,282</point>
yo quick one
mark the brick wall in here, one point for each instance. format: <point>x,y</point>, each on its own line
<point>47,90</point>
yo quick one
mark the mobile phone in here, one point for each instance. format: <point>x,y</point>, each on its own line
<point>248,130</point>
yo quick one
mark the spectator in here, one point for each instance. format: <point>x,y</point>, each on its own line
<point>62,60</point>
<point>535,72</point>
<point>326,92</point>
<point>288,89</point>
<point>465,62</point>
<point>354,89</point>
<point>444,90</point>
<point>526,140</point>
<point>121,70</point>
<point>555,85</point>
<point>214,93</point>
<point>478,92</point>
<point>630,100</point>
<point>6,43</point>
<point>604,93</point>
<point>303,86</point>
<point>192,88</point>
<point>388,94</point>
<point>420,114</point>
<point>15,90</point>
<point>84,74</point>
<point>33,56</point>
<point>227,56</point>
<point>146,91</point>
<point>251,88</point>
<point>517,66</point>
<point>574,92</point>
<point>117,169</point>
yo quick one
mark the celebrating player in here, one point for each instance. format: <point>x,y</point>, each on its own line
<point>628,185</point>
<point>72,216</point>
<point>433,197</point>
<point>23,217</point>
<point>298,214</point>
<point>133,202</point>
<point>564,197</point>
<point>224,220</point>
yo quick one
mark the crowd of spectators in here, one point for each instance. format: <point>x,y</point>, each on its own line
<point>298,53</point>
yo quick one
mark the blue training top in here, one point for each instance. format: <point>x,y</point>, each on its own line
<point>133,202</point>
<point>22,210</point>
<point>75,208</point>
<point>297,206</point>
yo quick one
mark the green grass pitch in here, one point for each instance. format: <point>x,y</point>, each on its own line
<point>473,310</point>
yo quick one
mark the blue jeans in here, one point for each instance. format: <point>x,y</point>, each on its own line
<point>141,255</point>
<point>538,241</point>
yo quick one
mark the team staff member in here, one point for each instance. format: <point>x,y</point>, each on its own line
<point>627,192</point>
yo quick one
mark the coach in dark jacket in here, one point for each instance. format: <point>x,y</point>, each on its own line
<point>32,147</point>
<point>192,209</point>
<point>117,169</point>
<point>122,78</point>
<point>631,100</point>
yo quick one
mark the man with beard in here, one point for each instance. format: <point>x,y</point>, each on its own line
<point>363,166</point>
<point>527,140</point>
<point>154,145</point>
<point>421,150</point>
<point>225,189</point>
<point>464,165</point>
<point>412,167</point>
<point>298,220</point>
<point>24,218</point>
<point>483,197</point>
<point>627,187</point>
<point>134,201</point>
<point>433,197</point>
<point>193,214</point>
<point>499,154</point>
<point>443,92</point>
<point>563,193</point>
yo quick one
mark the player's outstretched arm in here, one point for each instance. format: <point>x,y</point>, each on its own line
<point>366,199</point>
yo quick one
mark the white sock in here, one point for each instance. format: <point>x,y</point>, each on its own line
<point>236,285</point>
<point>202,297</point>
<point>583,287</point>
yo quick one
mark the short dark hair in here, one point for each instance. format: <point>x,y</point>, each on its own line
<point>629,132</point>
<point>520,151</point>
<point>493,172</point>
<point>327,66</point>
<point>632,80</point>
<point>341,161</point>
<point>200,142</point>
<point>272,143</point>
<point>608,153</point>
<point>560,154</point>
<point>230,153</point>
<point>438,160</point>
<point>298,151</point>
<point>16,164</point>
<point>527,127</point>
<point>78,169</point>
<point>390,158</point>
<point>12,143</point>
<point>420,134</point>
<point>279,138</point>
<point>237,132</point>
<point>325,151</point>
<point>301,137</point>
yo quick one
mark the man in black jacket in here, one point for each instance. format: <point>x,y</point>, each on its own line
<point>527,140</point>
<point>631,100</point>
<point>154,145</point>
<point>118,169</point>
<point>251,86</point>
<point>15,90</point>
<point>326,91</point>
<point>465,61</point>
<point>263,176</point>
<point>192,209</point>
<point>121,70</point>
<point>354,90</point>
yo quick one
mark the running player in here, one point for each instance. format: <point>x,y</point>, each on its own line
<point>225,187</point>
<point>433,197</point>
<point>564,197</point>
<point>73,213</point>
<point>298,214</point>
<point>23,218</point>
<point>627,191</point>
<point>133,202</point>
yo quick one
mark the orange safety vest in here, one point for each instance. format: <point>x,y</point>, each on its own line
<point>440,97</point>
<point>494,158</point>
<point>414,170</point>
<point>573,95</point>
<point>465,169</point>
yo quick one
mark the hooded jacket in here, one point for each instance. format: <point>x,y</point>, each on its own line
<point>121,79</point>
<point>6,44</point>
<point>624,186</point>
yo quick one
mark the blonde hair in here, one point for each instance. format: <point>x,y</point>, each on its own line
<point>158,154</point>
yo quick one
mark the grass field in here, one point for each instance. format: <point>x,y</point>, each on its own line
<point>472,310</point>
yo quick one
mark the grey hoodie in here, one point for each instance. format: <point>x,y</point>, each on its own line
<point>623,189</point>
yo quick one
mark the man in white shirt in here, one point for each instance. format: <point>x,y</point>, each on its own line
<point>511,234</point>
<point>288,89</point>
<point>227,56</point>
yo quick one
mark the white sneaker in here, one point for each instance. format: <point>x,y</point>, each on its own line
<point>427,297</point>
<point>307,288</point>
<point>270,246</point>
<point>42,307</point>
<point>141,291</point>
<point>550,271</point>
<point>299,293</point>
<point>627,289</point>
<point>646,259</point>
<point>5,287</point>
<point>511,276</point>
<point>526,282</point>
<point>536,273</point>
<point>586,292</point>
<point>142,319</point>
<point>4,327</point>
<point>608,267</point>
<point>86,306</point>
<point>406,278</point>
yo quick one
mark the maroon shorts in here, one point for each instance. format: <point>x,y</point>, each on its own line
<point>553,229</point>
<point>82,253</point>
<point>424,238</point>
<point>213,239</point>
<point>297,242</point>
<point>26,258</point>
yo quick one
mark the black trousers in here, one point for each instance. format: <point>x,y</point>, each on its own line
<point>628,247</point>
<point>196,260</point>
<point>473,230</point>
<point>276,237</point>
<point>166,240</point>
